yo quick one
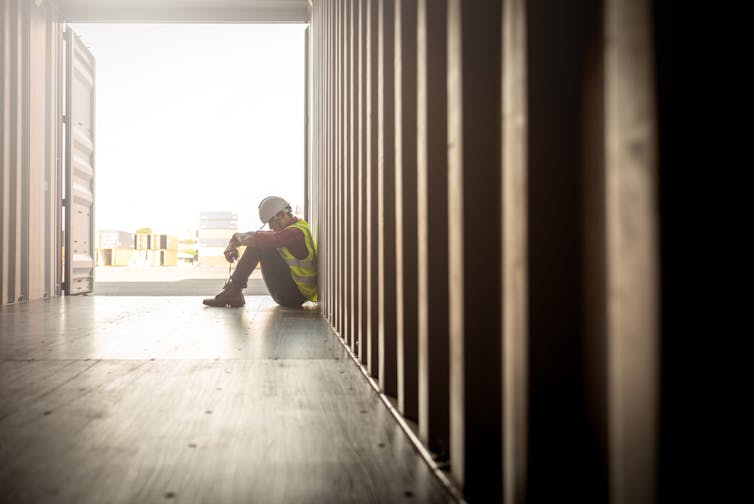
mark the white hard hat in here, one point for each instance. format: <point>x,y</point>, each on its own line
<point>270,207</point>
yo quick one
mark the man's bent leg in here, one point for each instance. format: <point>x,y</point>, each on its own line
<point>277,277</point>
<point>245,267</point>
<point>232,294</point>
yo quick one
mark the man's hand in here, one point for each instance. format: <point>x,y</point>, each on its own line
<point>231,253</point>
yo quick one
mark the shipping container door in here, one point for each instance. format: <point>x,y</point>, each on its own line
<point>79,166</point>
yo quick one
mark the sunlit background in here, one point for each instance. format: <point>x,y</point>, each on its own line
<point>194,118</point>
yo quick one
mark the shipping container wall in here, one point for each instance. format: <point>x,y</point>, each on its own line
<point>486,211</point>
<point>30,111</point>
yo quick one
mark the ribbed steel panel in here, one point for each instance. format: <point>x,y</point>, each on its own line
<point>79,172</point>
<point>29,140</point>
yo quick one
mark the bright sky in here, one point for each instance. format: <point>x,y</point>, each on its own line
<point>195,117</point>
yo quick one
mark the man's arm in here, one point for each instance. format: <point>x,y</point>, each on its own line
<point>291,238</point>
<point>243,239</point>
<point>238,240</point>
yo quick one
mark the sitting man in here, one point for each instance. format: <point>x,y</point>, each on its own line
<point>287,254</point>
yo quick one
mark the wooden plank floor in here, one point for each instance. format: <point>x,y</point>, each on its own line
<point>149,399</point>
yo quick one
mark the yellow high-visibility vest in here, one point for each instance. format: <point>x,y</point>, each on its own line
<point>303,271</point>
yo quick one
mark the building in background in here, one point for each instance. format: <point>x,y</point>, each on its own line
<point>215,230</point>
<point>164,250</point>
<point>114,248</point>
<point>155,250</point>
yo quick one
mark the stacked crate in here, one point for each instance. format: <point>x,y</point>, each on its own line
<point>163,250</point>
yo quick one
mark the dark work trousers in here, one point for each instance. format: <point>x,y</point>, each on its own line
<point>275,272</point>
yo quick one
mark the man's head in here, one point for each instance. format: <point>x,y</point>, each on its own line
<point>276,212</point>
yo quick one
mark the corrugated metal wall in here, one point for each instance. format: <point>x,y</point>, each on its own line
<point>29,181</point>
<point>487,215</point>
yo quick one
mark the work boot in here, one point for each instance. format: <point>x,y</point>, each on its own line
<point>230,296</point>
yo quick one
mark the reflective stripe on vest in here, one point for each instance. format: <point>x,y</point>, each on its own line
<point>297,263</point>
<point>303,271</point>
<point>304,280</point>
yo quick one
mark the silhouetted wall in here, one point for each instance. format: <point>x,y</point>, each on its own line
<point>488,224</point>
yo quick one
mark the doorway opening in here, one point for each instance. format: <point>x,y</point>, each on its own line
<point>195,124</point>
